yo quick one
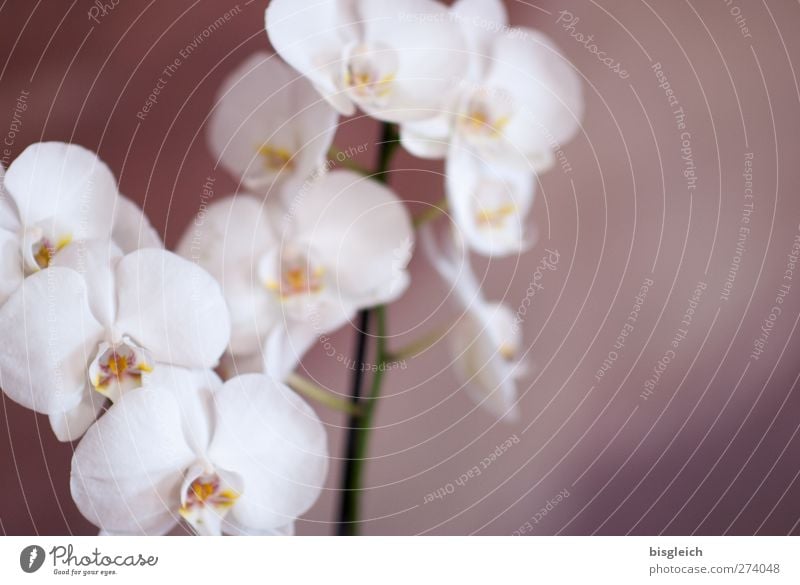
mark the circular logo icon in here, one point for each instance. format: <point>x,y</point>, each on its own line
<point>31,558</point>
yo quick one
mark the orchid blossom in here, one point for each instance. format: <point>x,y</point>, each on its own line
<point>96,323</point>
<point>291,275</point>
<point>394,60</point>
<point>500,127</point>
<point>53,194</point>
<point>270,125</point>
<point>485,341</point>
<point>246,457</point>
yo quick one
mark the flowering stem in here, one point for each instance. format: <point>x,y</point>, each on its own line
<point>364,421</point>
<point>346,160</point>
<point>361,423</point>
<point>310,390</point>
<point>416,347</point>
<point>431,213</point>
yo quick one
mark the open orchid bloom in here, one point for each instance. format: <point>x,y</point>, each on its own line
<point>246,457</point>
<point>500,127</point>
<point>96,323</point>
<point>270,124</point>
<point>54,194</point>
<point>292,275</point>
<point>485,342</point>
<point>394,60</point>
<point>490,204</point>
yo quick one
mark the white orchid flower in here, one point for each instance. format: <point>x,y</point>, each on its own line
<point>270,124</point>
<point>96,323</point>
<point>294,274</point>
<point>499,128</point>
<point>246,457</point>
<point>486,340</point>
<point>56,193</point>
<point>394,60</point>
<point>132,230</point>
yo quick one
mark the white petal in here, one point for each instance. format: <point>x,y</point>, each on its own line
<point>427,138</point>
<point>49,336</point>
<point>273,440</point>
<point>286,347</point>
<point>431,55</point>
<point>171,307</point>
<point>194,390</point>
<point>310,35</point>
<point>128,469</point>
<point>228,240</point>
<point>450,257</point>
<point>11,273</point>
<point>270,123</point>
<point>132,230</point>
<point>94,260</point>
<point>233,528</point>
<point>361,233</point>
<point>431,52</point>
<point>490,203</point>
<point>546,90</point>
<point>70,425</point>
<point>482,363</point>
<point>481,21</point>
<point>9,216</point>
<point>65,186</point>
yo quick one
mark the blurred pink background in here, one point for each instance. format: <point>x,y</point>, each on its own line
<point>712,450</point>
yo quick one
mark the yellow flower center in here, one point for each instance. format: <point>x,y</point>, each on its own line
<point>206,502</point>
<point>276,158</point>
<point>43,250</point>
<point>495,217</point>
<point>118,369</point>
<point>298,279</point>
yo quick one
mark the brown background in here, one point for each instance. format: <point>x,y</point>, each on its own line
<point>714,450</point>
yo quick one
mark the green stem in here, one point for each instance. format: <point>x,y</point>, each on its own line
<point>417,346</point>
<point>365,422</point>
<point>342,158</point>
<point>361,423</point>
<point>431,213</point>
<point>310,390</point>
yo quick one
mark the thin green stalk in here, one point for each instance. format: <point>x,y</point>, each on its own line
<point>417,346</point>
<point>313,392</point>
<point>361,424</point>
<point>431,213</point>
<point>365,424</point>
<point>342,158</point>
